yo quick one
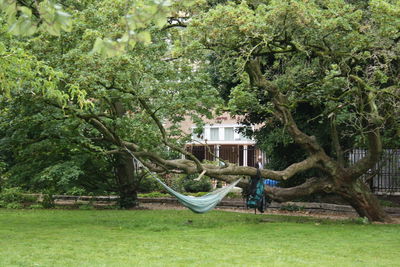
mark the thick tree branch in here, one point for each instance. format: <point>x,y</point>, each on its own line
<point>96,122</point>
<point>372,125</point>
<point>312,185</point>
<point>189,167</point>
<point>176,22</point>
<point>309,143</point>
<point>336,144</point>
<point>165,137</point>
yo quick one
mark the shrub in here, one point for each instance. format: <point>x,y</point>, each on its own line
<point>361,220</point>
<point>192,186</point>
<point>154,194</point>
<point>149,184</point>
<point>48,201</point>
<point>203,185</point>
<point>290,207</point>
<point>36,206</point>
<point>14,205</point>
<point>234,195</point>
<point>12,195</point>
<point>76,191</point>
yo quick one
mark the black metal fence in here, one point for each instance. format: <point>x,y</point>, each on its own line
<point>384,177</point>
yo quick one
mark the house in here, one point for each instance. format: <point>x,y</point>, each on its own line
<point>221,139</point>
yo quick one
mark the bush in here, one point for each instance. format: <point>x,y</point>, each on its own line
<point>234,195</point>
<point>177,183</point>
<point>154,194</point>
<point>36,206</point>
<point>76,191</point>
<point>12,195</point>
<point>14,205</point>
<point>48,201</point>
<point>192,186</point>
<point>291,207</point>
<point>149,184</point>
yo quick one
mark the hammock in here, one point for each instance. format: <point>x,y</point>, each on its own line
<point>200,204</point>
<point>196,204</point>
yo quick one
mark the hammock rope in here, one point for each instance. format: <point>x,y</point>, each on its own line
<point>196,204</point>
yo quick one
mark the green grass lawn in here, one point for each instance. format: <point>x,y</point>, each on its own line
<point>168,238</point>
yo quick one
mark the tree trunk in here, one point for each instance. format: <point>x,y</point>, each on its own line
<point>360,197</point>
<point>127,182</point>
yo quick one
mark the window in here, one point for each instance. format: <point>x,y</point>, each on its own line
<point>214,134</point>
<point>228,134</point>
<point>196,136</point>
<point>242,135</point>
<point>244,138</point>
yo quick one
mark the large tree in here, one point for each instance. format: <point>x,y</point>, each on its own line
<point>93,102</point>
<point>338,57</point>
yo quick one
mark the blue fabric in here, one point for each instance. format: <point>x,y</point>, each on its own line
<point>271,182</point>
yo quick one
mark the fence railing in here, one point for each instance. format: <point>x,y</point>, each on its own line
<point>384,177</point>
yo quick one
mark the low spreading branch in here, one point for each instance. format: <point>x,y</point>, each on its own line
<point>310,186</point>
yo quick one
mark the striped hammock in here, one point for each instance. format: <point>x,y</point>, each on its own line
<point>196,204</point>
<point>204,203</point>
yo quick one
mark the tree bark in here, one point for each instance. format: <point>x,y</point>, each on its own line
<point>126,181</point>
<point>360,197</point>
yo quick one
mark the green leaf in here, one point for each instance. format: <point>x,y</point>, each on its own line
<point>144,37</point>
<point>25,10</point>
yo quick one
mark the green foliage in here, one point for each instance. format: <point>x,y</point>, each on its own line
<point>177,183</point>
<point>149,184</point>
<point>12,195</point>
<point>76,191</point>
<point>137,20</point>
<point>290,207</point>
<point>308,50</point>
<point>192,186</point>
<point>362,220</point>
<point>20,70</point>
<point>25,19</point>
<point>13,205</point>
<point>58,175</point>
<point>36,206</point>
<point>154,194</point>
<point>15,198</point>
<point>234,195</point>
<point>48,201</point>
<point>388,203</point>
<point>61,149</point>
